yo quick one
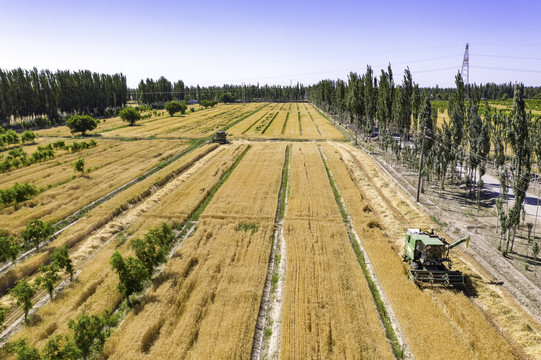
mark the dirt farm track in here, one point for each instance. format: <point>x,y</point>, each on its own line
<point>289,244</point>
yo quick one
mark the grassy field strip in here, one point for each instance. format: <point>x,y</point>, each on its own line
<point>389,321</point>
<point>207,304</point>
<point>285,123</point>
<point>299,120</point>
<point>83,253</point>
<point>328,310</point>
<point>429,316</point>
<point>267,319</point>
<point>95,289</point>
<point>489,299</point>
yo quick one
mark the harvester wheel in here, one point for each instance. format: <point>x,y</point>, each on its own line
<point>446,280</point>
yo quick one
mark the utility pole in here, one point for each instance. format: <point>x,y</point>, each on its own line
<point>421,164</point>
<point>465,72</point>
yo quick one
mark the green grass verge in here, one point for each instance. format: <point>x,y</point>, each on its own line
<point>285,180</point>
<point>285,123</point>
<point>299,117</point>
<point>270,122</point>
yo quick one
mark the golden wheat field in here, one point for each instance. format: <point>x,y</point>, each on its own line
<point>328,310</point>
<point>286,172</point>
<point>94,290</point>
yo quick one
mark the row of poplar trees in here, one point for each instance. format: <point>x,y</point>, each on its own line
<point>158,92</point>
<point>33,93</point>
<point>457,151</point>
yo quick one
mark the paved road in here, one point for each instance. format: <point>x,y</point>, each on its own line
<point>531,202</point>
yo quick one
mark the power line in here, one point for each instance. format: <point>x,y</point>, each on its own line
<point>509,57</point>
<point>505,69</point>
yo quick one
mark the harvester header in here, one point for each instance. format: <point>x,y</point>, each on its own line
<point>427,255</point>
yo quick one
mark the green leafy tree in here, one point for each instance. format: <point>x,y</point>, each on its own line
<point>130,115</point>
<point>86,331</point>
<point>81,123</point>
<point>132,274</point>
<point>227,98</point>
<point>457,115</point>
<point>25,351</point>
<point>173,107</point>
<point>79,166</point>
<point>3,312</point>
<point>183,107</point>
<point>48,278</point>
<point>61,258</point>
<point>23,294</point>
<point>153,248</point>
<point>37,231</point>
<point>9,247</point>
<point>28,136</point>
<point>60,347</point>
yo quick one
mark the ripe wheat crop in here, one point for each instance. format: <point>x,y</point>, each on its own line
<point>328,311</point>
<point>206,302</point>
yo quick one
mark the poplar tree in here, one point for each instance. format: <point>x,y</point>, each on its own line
<point>519,141</point>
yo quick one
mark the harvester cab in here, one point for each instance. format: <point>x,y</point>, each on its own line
<point>427,255</point>
<point>220,137</point>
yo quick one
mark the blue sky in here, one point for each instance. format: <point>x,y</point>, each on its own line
<point>275,42</point>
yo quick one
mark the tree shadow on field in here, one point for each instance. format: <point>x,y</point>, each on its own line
<point>33,320</point>
<point>139,304</point>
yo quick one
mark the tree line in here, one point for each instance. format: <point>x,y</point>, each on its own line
<point>159,92</point>
<point>404,123</point>
<point>489,91</point>
<point>33,93</point>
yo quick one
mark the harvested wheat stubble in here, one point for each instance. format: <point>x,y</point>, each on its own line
<point>95,288</point>
<point>104,125</point>
<point>205,304</point>
<point>200,123</point>
<point>309,130</point>
<point>244,127</point>
<point>112,164</point>
<point>498,306</point>
<point>100,216</point>
<point>328,131</point>
<point>275,128</point>
<point>425,316</point>
<point>328,310</point>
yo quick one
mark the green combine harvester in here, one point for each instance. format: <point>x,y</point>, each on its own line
<point>427,254</point>
<point>220,137</point>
